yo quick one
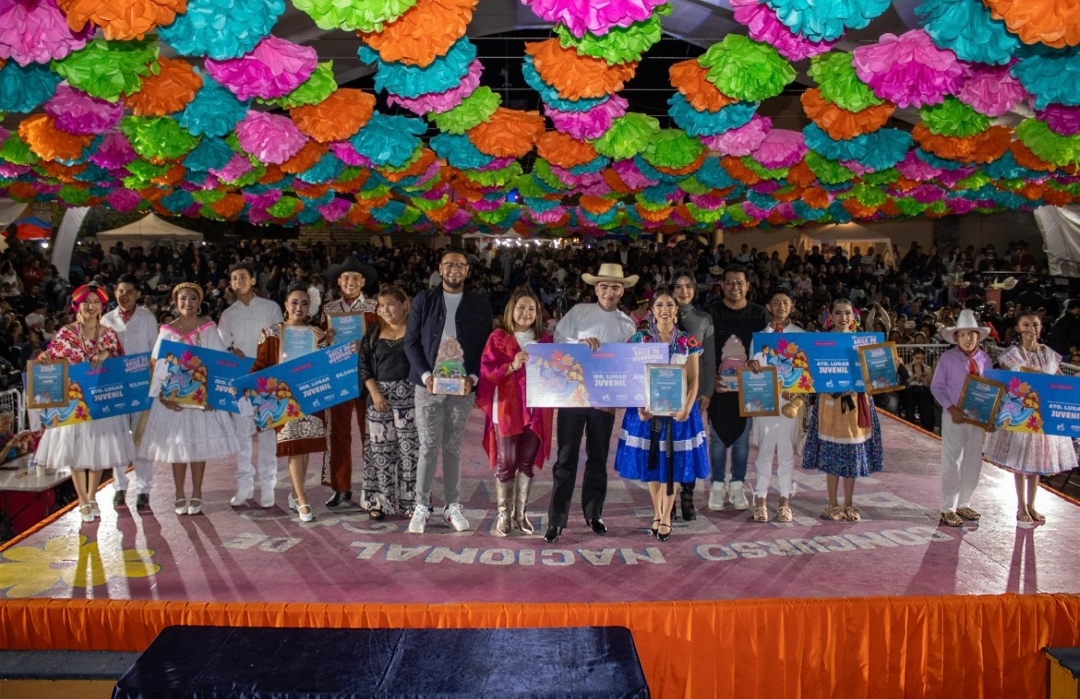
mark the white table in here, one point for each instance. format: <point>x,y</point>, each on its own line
<point>20,480</point>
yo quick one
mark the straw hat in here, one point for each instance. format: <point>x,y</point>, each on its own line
<point>966,321</point>
<point>610,272</point>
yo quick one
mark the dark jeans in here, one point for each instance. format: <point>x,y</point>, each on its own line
<point>918,398</point>
<point>570,424</point>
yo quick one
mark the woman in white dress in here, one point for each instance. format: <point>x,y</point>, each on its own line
<point>87,448</point>
<point>179,435</point>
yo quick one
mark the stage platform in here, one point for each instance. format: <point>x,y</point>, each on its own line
<point>892,606</point>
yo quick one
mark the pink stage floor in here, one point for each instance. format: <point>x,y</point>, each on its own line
<point>256,555</point>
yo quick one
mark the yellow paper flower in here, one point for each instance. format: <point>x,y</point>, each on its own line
<point>28,571</point>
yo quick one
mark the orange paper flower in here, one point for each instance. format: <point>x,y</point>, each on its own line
<point>305,158</point>
<point>857,209</point>
<point>594,204</point>
<point>983,147</point>
<point>736,169</point>
<point>358,214</point>
<point>416,167</point>
<point>122,19</point>
<point>1025,158</point>
<point>816,197</point>
<point>615,182</point>
<point>690,78</point>
<point>443,213</point>
<point>169,91</point>
<point>311,191</point>
<point>509,133</point>
<point>1058,197</point>
<point>229,206</point>
<point>273,174</point>
<point>1055,23</point>
<point>60,171</point>
<point>423,33</point>
<point>839,123</point>
<point>337,117</point>
<point>352,185</point>
<point>563,150</point>
<point>577,77</point>
<point>801,175</point>
<point>686,170</point>
<point>50,143</point>
<point>654,215</point>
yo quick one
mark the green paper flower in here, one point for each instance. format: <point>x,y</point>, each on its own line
<point>495,178</point>
<point>496,216</point>
<point>249,178</point>
<point>762,171</point>
<point>953,118</point>
<point>745,69</point>
<point>109,69</point>
<point>475,109</point>
<point>672,148</point>
<point>312,91</point>
<point>881,177</point>
<point>361,15</point>
<point>71,194</point>
<point>735,211</point>
<point>691,185</point>
<point>828,171</point>
<point>284,207</point>
<point>426,205</point>
<point>704,215</point>
<point>527,186</point>
<point>1043,142</point>
<point>16,152</point>
<point>976,180</point>
<point>157,137</point>
<point>409,215</point>
<point>207,196</point>
<point>629,135</point>
<point>910,207</point>
<point>146,170</point>
<point>377,191</point>
<point>620,44</point>
<point>542,171</point>
<point>839,83</point>
<point>868,195</point>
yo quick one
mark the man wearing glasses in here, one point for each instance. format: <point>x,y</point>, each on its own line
<point>440,316</point>
<point>735,320</point>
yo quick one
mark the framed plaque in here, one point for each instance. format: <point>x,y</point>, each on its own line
<point>296,341</point>
<point>879,364</point>
<point>47,384</point>
<point>665,388</point>
<point>347,327</point>
<point>979,401</point>
<point>759,393</point>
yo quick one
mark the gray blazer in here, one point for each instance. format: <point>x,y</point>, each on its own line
<point>699,324</point>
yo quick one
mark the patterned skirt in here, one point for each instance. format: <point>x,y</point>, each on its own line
<point>688,439</point>
<point>837,445</point>
<point>390,451</point>
<point>308,435</point>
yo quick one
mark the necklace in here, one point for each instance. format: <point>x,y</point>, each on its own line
<point>83,338</point>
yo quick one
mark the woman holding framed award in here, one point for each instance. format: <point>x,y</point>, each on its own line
<point>664,445</point>
<point>308,435</point>
<point>844,437</point>
<point>90,447</point>
<point>1029,455</point>
<point>517,438</point>
<point>178,435</point>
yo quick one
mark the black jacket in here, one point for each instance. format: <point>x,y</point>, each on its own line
<point>424,330</point>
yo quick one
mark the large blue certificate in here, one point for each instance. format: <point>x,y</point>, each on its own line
<point>759,394</point>
<point>196,376</point>
<point>816,362</point>
<point>665,388</point>
<point>879,364</point>
<point>300,387</point>
<point>570,375</point>
<point>121,385</point>
<point>979,401</point>
<point>348,327</point>
<point>1038,403</point>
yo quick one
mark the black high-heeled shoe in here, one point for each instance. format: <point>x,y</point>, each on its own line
<point>652,530</point>
<point>660,536</point>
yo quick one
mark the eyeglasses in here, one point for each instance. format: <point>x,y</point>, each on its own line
<point>455,265</point>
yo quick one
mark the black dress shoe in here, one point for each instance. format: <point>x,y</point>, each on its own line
<point>338,498</point>
<point>119,499</point>
<point>597,525</point>
<point>142,501</point>
<point>552,534</point>
<point>689,513</point>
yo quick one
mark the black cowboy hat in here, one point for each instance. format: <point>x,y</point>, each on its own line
<point>352,264</point>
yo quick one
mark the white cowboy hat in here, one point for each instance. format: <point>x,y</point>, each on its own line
<point>610,272</point>
<point>966,321</point>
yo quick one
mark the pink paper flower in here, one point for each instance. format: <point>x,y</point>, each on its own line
<point>237,167</point>
<point>780,148</point>
<point>914,168</point>
<point>630,175</point>
<point>75,112</point>
<point>114,152</point>
<point>439,102</point>
<point>274,68</point>
<point>591,123</point>
<point>335,209</point>
<point>1061,119</point>
<point>741,141</point>
<point>991,90</point>
<point>123,200</point>
<point>765,27</point>
<point>909,70</point>
<point>344,151</point>
<point>271,138</point>
<point>595,16</point>
<point>36,31</point>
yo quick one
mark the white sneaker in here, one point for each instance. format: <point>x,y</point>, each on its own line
<point>243,494</point>
<point>717,496</point>
<point>419,519</point>
<point>266,497</point>
<point>738,497</point>
<point>455,517</point>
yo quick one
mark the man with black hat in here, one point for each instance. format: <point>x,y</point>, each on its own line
<point>351,277</point>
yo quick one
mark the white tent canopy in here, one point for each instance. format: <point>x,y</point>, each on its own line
<point>147,231</point>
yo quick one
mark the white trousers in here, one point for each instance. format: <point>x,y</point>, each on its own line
<point>961,462</point>
<point>144,469</point>
<point>267,458</point>
<point>775,435</point>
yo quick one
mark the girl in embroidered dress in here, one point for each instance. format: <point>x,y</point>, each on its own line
<point>185,435</point>
<point>1029,455</point>
<point>87,448</point>
<point>309,434</point>
<point>665,451</point>
<point>844,438</point>
<point>517,439</point>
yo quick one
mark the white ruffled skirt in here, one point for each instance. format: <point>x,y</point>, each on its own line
<point>184,436</point>
<point>89,446</point>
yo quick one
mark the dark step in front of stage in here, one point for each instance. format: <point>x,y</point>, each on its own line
<point>212,661</point>
<point>1064,673</point>
<point>45,674</point>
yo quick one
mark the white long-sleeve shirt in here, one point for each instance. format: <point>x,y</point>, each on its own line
<point>589,320</point>
<point>241,323</point>
<point>138,334</point>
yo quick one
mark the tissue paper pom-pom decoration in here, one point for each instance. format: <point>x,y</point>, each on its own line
<point>574,76</point>
<point>826,20</point>
<point>211,153</point>
<point>460,152</point>
<point>222,29</point>
<point>992,91</point>
<point>966,28</point>
<point>1025,158</point>
<point>389,140</point>
<point>123,200</point>
<point>214,111</point>
<point>108,69</point>
<point>834,149</point>
<point>508,134</point>
<point>1050,76</point>
<point>441,101</point>
<point>691,79</point>
<point>620,44</point>
<point>311,153</point>
<point>590,124</point>
<point>953,118</point>
<point>422,34</point>
<point>673,149</point>
<point>1055,23</point>
<point>271,138</point>
<point>338,117</point>
<point>275,67</point>
<point>765,27</point>
<point>78,113</point>
<point>157,138</point>
<point>1062,120</point>
<point>908,70</point>
<point>741,141</point>
<point>746,69</point>
<point>838,122</point>
<point>838,82</point>
<point>1036,135</point>
<point>362,15</point>
<point>781,148</point>
<point>629,135</point>
<point>167,91</point>
<point>549,95</point>
<point>50,143</point>
<point>564,151</point>
<point>315,89</point>
<point>408,81</point>
<point>24,89</point>
<point>113,152</point>
<point>981,148</point>
<point>597,17</point>
<point>36,31</point>
<point>474,109</point>
<point>121,20</point>
<point>697,123</point>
